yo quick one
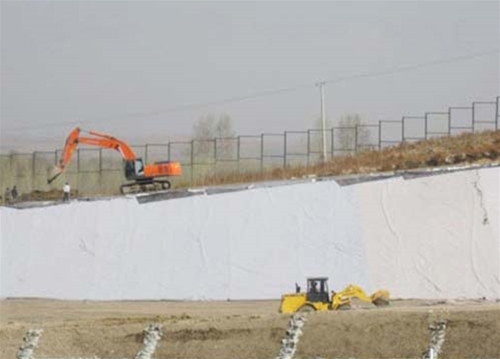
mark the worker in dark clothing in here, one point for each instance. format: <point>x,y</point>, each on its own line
<point>14,193</point>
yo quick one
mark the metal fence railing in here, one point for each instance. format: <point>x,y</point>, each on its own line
<point>98,171</point>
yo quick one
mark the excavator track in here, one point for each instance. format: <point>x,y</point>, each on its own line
<point>145,187</point>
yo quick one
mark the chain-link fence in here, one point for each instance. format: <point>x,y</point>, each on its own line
<point>97,171</point>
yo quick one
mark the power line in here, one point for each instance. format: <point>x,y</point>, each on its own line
<point>413,67</point>
<point>261,93</point>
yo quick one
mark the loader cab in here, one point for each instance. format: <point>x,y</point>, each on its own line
<point>317,290</point>
<point>134,169</point>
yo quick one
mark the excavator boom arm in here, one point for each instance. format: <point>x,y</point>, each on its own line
<point>100,140</point>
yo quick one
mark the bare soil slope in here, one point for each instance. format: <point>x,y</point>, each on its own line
<point>247,329</point>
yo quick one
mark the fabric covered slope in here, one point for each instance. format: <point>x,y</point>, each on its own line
<point>429,237</point>
<point>434,237</point>
<point>245,245</point>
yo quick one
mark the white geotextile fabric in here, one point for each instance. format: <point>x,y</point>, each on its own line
<point>434,237</point>
<point>431,237</point>
<point>251,244</point>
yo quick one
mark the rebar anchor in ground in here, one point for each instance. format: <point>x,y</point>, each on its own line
<point>437,340</point>
<point>30,344</point>
<point>152,334</point>
<point>289,344</point>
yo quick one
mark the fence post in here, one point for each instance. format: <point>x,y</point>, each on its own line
<point>238,153</point>
<point>473,117</point>
<point>284,150</point>
<point>355,139</point>
<point>215,150</point>
<point>402,129</point>
<point>33,169</point>
<point>425,125</point>
<point>308,146</point>
<point>497,112</point>
<point>449,121</point>
<point>146,150</point>
<point>261,153</point>
<point>379,135</point>
<point>192,161</point>
<point>214,165</point>
<point>100,170</point>
<point>78,172</point>
<point>333,143</point>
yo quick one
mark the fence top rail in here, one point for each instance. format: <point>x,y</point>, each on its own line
<point>180,142</point>
<point>157,144</point>
<point>203,140</point>
<point>374,125</point>
<point>298,132</point>
<point>414,117</point>
<point>484,103</point>
<point>250,136</point>
<point>436,113</point>
<point>273,134</point>
<point>230,138</point>
<point>19,154</point>
<point>459,108</point>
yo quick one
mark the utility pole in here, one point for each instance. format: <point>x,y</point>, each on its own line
<point>323,120</point>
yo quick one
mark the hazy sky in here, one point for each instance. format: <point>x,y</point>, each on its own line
<point>128,68</point>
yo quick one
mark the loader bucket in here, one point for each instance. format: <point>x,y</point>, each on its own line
<point>380,298</point>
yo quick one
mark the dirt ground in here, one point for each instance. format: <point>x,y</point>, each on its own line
<point>247,329</point>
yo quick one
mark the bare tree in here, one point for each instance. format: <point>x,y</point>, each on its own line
<point>210,131</point>
<point>351,134</point>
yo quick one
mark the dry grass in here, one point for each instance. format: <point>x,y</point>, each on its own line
<point>466,148</point>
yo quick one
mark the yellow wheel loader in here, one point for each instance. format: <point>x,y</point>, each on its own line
<point>318,298</point>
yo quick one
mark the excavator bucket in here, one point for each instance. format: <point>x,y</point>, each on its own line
<point>380,298</point>
<point>55,173</point>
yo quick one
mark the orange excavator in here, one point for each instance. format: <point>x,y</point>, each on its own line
<point>143,176</point>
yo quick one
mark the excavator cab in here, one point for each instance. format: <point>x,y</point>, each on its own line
<point>134,169</point>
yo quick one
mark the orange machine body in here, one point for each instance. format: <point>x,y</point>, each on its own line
<point>162,169</point>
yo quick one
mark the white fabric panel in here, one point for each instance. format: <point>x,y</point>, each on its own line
<point>434,237</point>
<point>430,237</point>
<point>246,245</point>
